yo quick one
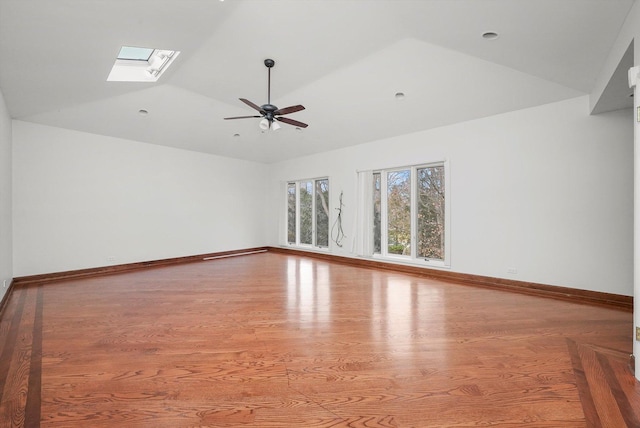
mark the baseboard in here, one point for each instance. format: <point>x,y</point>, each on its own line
<point>564,293</point>
<point>107,270</point>
<point>5,298</point>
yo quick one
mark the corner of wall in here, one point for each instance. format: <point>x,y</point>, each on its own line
<point>629,31</point>
<point>6,198</point>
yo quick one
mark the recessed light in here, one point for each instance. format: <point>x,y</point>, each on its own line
<point>490,35</point>
<point>143,112</point>
<point>399,95</point>
<point>235,135</point>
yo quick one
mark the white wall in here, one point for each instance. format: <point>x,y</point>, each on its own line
<point>6,251</point>
<point>546,190</point>
<point>83,200</point>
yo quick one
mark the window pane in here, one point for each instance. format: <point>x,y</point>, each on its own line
<point>430,213</point>
<point>377,210</point>
<point>291,213</point>
<point>134,53</point>
<point>322,213</point>
<point>306,212</point>
<point>399,212</point>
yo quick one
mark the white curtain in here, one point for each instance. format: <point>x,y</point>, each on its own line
<point>363,236</point>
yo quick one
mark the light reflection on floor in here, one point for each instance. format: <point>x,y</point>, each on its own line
<point>308,293</point>
<point>401,308</point>
<point>396,307</point>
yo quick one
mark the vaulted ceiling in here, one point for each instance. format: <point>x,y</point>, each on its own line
<point>344,60</point>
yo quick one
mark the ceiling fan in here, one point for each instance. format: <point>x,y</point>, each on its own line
<point>268,111</point>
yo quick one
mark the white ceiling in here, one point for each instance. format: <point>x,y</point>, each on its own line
<point>342,59</point>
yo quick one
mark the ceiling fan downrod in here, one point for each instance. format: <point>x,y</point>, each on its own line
<point>269,63</point>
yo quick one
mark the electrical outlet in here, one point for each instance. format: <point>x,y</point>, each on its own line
<point>512,270</point>
<point>111,259</point>
<point>637,333</point>
<point>4,283</point>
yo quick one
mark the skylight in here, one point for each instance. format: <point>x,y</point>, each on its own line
<point>135,54</point>
<point>136,64</point>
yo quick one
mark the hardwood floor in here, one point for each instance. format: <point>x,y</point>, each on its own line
<point>273,340</point>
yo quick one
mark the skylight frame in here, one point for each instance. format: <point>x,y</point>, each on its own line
<point>140,70</point>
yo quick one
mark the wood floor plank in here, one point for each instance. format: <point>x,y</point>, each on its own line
<point>33,404</point>
<point>11,328</point>
<point>7,331</point>
<point>16,382</point>
<point>275,340</point>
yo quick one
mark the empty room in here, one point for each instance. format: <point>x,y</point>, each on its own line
<point>319,213</point>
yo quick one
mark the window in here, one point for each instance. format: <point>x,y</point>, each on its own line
<point>377,213</point>
<point>410,209</point>
<point>430,212</point>
<point>398,192</point>
<point>291,213</point>
<point>322,213</point>
<point>308,212</point>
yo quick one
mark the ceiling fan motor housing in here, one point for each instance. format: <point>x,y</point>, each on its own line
<point>269,111</point>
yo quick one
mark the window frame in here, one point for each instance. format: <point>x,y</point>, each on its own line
<point>314,230</point>
<point>412,258</point>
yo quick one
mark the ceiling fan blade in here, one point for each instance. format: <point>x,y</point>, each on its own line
<point>252,105</point>
<point>240,117</point>
<point>288,110</point>
<point>291,122</point>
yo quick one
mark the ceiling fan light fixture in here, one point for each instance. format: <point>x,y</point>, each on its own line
<point>264,124</point>
<point>275,126</point>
